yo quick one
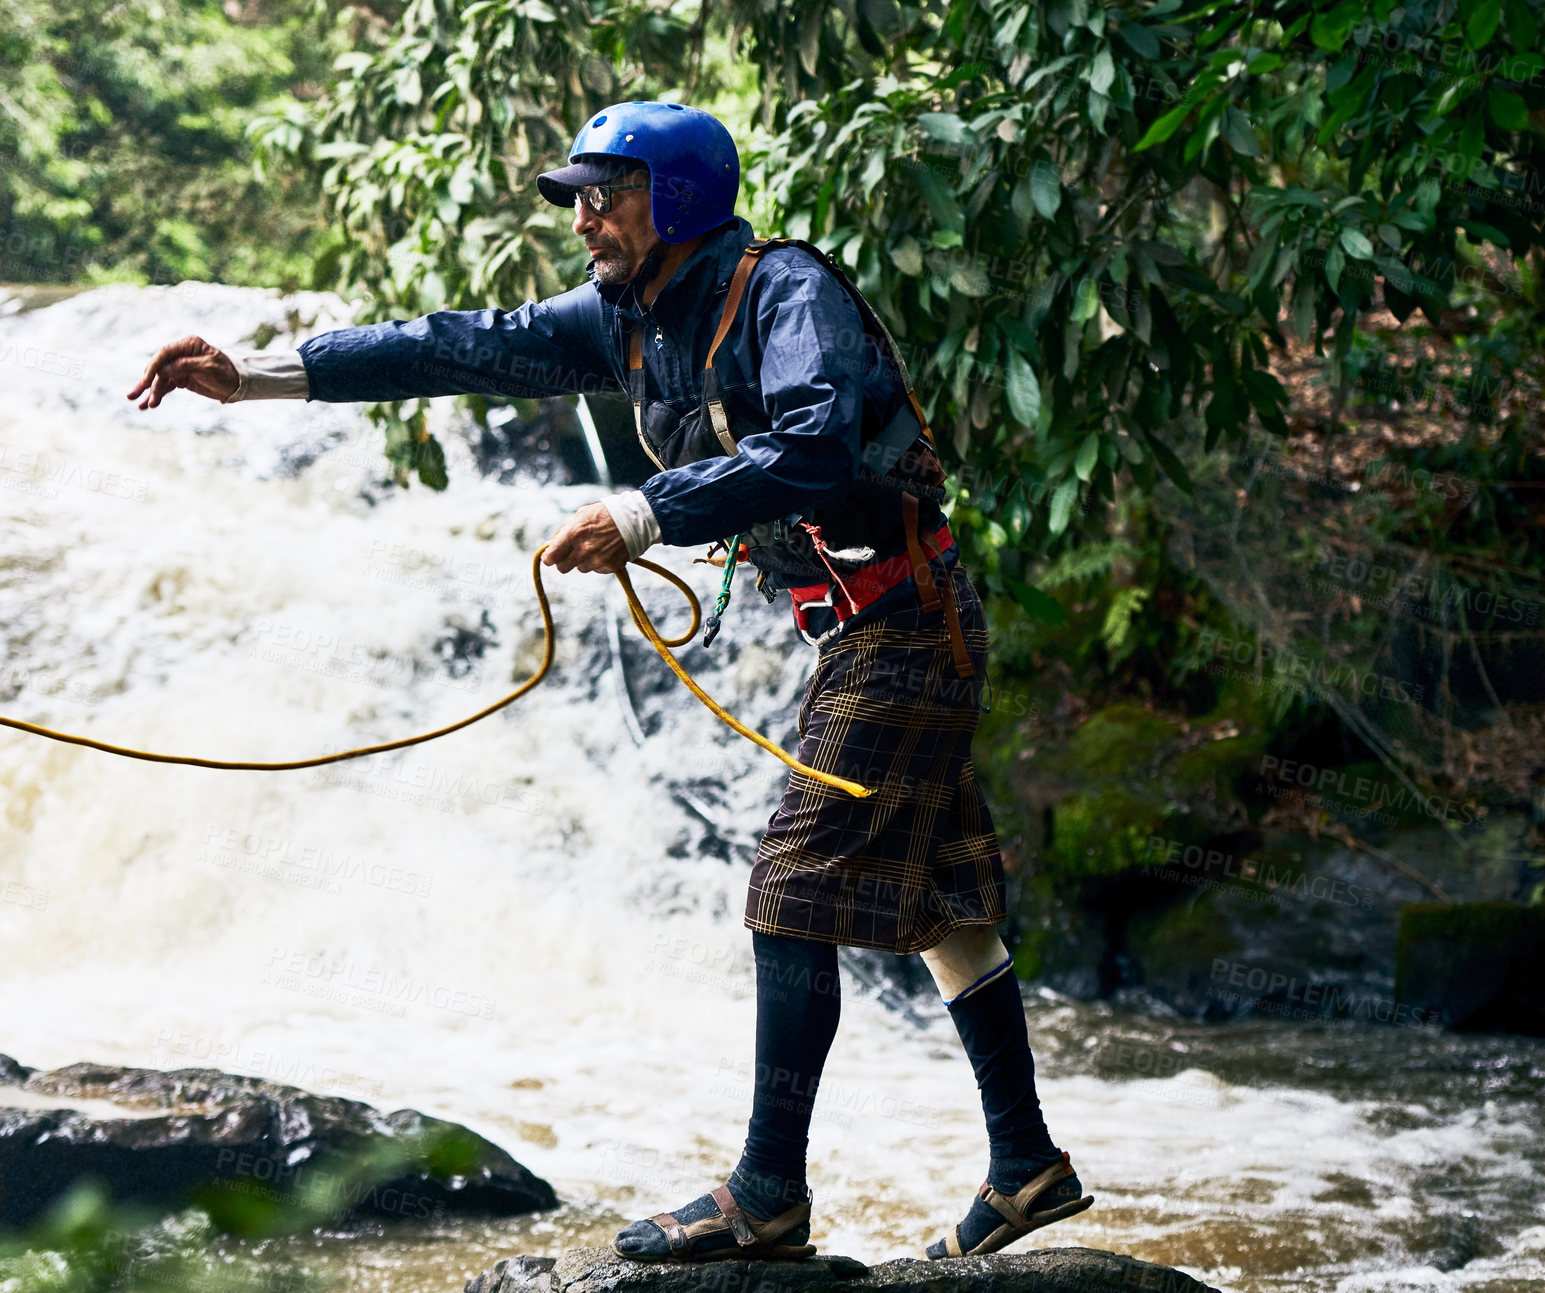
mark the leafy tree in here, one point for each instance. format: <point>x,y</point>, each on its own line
<point>122,139</point>
<point>1099,228</point>
<point>1093,224</point>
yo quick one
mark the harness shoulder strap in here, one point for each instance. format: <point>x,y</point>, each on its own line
<point>910,422</point>
<point>748,262</point>
<point>636,389</point>
<point>743,271</point>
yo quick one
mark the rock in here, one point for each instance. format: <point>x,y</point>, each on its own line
<point>242,1147</point>
<point>515,1275</point>
<point>1050,1270</point>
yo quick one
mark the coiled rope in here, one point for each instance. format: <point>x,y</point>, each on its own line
<point>640,617</point>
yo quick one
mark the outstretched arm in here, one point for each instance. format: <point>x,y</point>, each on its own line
<point>551,347</point>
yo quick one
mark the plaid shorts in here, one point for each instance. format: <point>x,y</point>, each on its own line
<point>917,859</point>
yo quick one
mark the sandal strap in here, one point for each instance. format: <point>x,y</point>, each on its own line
<point>780,1225</point>
<point>1002,1203</point>
<point>746,1232</point>
<point>675,1234</point>
<point>732,1218</point>
<point>739,1226</point>
<point>1052,1174</point>
<point>1016,1209</point>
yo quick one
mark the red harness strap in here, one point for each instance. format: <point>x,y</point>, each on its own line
<point>864,586</point>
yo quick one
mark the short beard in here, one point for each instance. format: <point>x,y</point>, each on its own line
<point>612,269</point>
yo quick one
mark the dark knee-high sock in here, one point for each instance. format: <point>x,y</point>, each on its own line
<point>798,1002</point>
<point>991,1022</point>
<point>990,1018</point>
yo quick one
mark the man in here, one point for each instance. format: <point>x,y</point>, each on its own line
<point>773,403</point>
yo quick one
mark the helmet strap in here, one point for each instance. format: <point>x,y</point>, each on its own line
<point>651,264</point>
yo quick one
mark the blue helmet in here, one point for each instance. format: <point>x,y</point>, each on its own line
<point>694,170</point>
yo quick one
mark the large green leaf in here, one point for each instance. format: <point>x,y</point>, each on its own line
<point>1037,604</point>
<point>1141,39</point>
<point>1163,128</point>
<point>1088,455</point>
<point>942,205</point>
<point>1024,392</point>
<point>908,256</point>
<point>1507,109</point>
<point>945,126</point>
<point>429,462</point>
<point>1062,500</point>
<point>1330,29</point>
<point>1045,188</point>
<point>1356,243</point>
<point>1169,463</point>
<point>1102,72</point>
<point>1484,15</point>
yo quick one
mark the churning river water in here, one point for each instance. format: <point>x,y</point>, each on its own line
<point>531,926</point>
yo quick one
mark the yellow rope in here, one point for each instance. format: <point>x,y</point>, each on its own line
<point>640,617</point>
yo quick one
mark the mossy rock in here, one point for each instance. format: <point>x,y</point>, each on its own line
<point>1119,740</point>
<point>1101,834</point>
<point>1142,756</point>
<point>1209,772</point>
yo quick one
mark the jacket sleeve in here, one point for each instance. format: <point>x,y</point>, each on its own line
<point>808,347</point>
<point>551,347</point>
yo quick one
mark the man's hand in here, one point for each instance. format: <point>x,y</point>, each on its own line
<point>192,363</point>
<point>589,542</point>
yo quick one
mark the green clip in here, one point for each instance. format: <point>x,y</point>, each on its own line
<point>731,556</point>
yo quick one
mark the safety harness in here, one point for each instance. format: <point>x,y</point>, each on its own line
<point>847,593</point>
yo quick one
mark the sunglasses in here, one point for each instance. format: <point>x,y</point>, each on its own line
<point>598,197</point>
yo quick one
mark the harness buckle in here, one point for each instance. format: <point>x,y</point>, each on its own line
<point>784,526</point>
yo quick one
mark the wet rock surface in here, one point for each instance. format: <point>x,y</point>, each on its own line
<point>1051,1270</point>
<point>234,1144</point>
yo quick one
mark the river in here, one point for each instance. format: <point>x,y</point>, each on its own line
<point>530,926</point>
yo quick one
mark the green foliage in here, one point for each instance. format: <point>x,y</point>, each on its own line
<point>1086,224</point>
<point>1092,229</point>
<point>1018,189</point>
<point>123,154</point>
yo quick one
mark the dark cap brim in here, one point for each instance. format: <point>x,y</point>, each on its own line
<point>560,186</point>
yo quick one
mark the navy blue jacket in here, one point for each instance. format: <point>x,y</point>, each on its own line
<point>799,377</point>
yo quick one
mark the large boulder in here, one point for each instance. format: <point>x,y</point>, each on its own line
<point>248,1150</point>
<point>1050,1270</point>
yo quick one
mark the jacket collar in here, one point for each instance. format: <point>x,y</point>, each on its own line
<point>697,280</point>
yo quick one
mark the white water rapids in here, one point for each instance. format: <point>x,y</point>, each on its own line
<point>516,927</point>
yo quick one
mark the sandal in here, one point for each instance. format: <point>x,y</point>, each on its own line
<point>1020,1216</point>
<point>754,1238</point>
